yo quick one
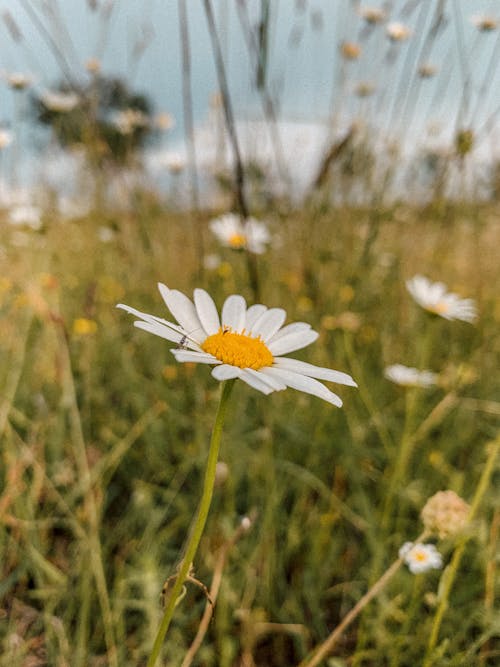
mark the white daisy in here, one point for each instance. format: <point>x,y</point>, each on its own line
<point>407,376</point>
<point>60,102</point>
<point>252,235</point>
<point>397,32</point>
<point>421,557</point>
<point>27,215</point>
<point>245,343</point>
<point>435,298</point>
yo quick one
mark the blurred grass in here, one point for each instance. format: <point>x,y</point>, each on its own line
<point>104,440</point>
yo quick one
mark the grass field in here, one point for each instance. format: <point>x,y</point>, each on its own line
<point>105,438</point>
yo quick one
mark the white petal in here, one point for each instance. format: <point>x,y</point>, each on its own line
<point>305,384</point>
<point>292,341</point>
<point>268,323</point>
<point>312,371</point>
<point>290,328</point>
<point>167,333</point>
<point>207,311</point>
<point>233,312</point>
<point>273,382</point>
<point>183,310</point>
<point>256,382</point>
<point>226,372</point>
<point>253,313</point>
<point>195,357</point>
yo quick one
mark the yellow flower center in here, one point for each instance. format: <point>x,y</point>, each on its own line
<point>440,308</point>
<point>421,556</point>
<point>237,240</point>
<point>238,349</point>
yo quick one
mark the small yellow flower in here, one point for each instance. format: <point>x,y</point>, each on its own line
<point>350,50</point>
<point>170,372</point>
<point>84,327</point>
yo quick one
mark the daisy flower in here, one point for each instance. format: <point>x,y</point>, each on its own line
<point>245,343</point>
<point>397,32</point>
<point>59,102</point>
<point>435,298</point>
<point>421,557</point>
<point>407,376</point>
<point>252,235</point>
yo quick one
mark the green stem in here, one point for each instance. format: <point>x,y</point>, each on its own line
<point>451,571</point>
<point>198,526</point>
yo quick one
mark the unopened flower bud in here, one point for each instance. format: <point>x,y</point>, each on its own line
<point>445,514</point>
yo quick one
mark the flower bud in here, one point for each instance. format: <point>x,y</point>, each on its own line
<point>445,514</point>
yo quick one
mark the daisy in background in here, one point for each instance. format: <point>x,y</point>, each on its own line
<point>421,557</point>
<point>231,231</point>
<point>435,298</point>
<point>59,102</point>
<point>398,32</point>
<point>245,343</point>
<point>407,376</point>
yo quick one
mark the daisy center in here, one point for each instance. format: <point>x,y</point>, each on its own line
<point>420,556</point>
<point>237,240</point>
<point>441,307</point>
<point>238,349</point>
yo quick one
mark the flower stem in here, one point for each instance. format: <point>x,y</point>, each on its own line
<point>199,524</point>
<point>321,651</point>
<point>452,569</point>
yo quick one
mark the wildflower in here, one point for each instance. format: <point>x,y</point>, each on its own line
<point>105,234</point>
<point>129,120</point>
<point>28,216</point>
<point>164,121</point>
<point>93,65</point>
<point>245,343</point>
<point>350,50</point>
<point>427,71</point>
<point>60,102</point>
<point>485,23</point>
<point>252,236</point>
<point>372,15</point>
<point>445,514</point>
<point>211,262</point>
<point>434,298</point>
<point>409,377</point>
<point>397,32</point>
<point>5,138</point>
<point>421,557</point>
<point>175,163</point>
<point>84,327</point>
<point>364,89</point>
<point>18,80</point>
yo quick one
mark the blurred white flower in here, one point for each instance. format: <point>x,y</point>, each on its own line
<point>128,120</point>
<point>28,216</point>
<point>427,71</point>
<point>55,100</point>
<point>230,230</point>
<point>407,376</point>
<point>421,557</point>
<point>175,163</point>
<point>484,23</point>
<point>164,121</point>
<point>18,80</point>
<point>5,138</point>
<point>434,298</point>
<point>211,262</point>
<point>105,234</point>
<point>372,15</point>
<point>397,32</point>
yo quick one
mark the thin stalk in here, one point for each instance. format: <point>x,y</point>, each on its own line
<point>452,569</point>
<point>326,647</point>
<point>241,200</point>
<point>199,524</point>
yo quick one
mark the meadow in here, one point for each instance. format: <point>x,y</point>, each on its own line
<point>105,439</point>
<point>360,536</point>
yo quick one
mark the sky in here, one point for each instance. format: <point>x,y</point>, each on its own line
<point>307,79</point>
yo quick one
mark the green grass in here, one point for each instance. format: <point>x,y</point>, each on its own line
<point>104,441</point>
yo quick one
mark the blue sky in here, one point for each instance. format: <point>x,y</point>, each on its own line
<point>305,76</point>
